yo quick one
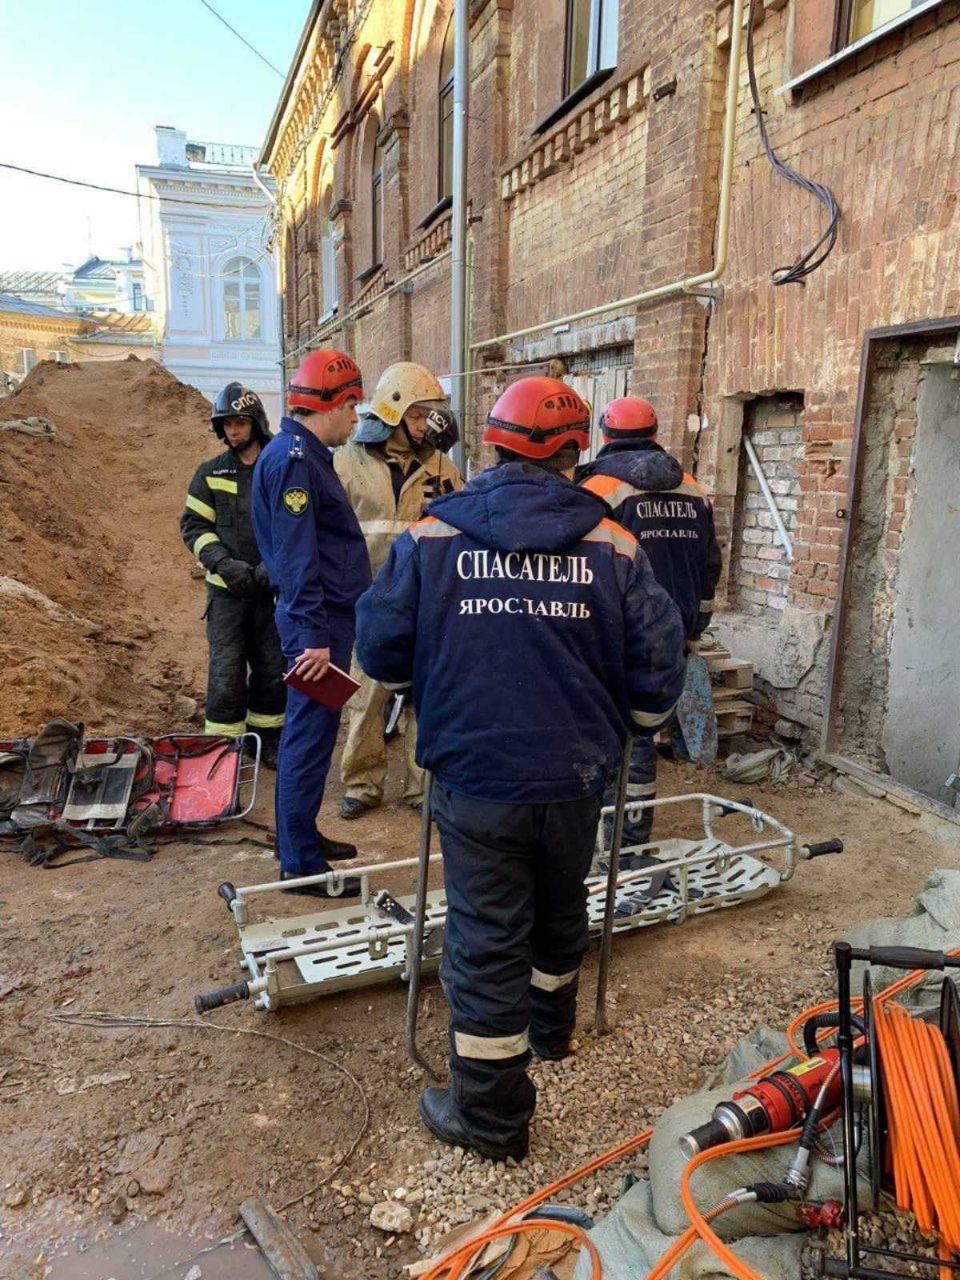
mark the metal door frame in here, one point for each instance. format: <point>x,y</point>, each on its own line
<point>946,325</point>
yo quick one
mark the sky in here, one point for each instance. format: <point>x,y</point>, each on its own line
<point>82,86</point>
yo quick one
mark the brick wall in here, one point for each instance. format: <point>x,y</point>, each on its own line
<point>882,130</point>
<point>759,570</point>
<point>620,195</point>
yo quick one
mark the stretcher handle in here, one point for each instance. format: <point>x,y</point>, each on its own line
<point>223,995</point>
<point>227,892</point>
<point>906,958</point>
<point>824,846</point>
<point>724,809</point>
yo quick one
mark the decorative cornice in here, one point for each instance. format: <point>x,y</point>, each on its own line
<point>433,242</point>
<point>585,127</point>
<point>336,28</point>
<point>373,288</point>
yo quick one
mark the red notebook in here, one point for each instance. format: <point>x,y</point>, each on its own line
<point>333,690</point>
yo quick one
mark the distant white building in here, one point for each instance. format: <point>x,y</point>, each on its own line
<point>207,268</point>
<point>96,286</point>
<point>105,284</point>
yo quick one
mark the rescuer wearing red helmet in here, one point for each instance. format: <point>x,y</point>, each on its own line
<point>672,519</point>
<point>535,638</point>
<point>317,561</point>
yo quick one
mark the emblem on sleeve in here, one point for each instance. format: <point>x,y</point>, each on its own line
<point>295,500</point>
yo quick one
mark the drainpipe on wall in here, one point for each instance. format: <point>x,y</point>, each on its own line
<point>458,265</point>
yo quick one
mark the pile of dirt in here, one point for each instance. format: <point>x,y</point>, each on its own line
<point>100,620</point>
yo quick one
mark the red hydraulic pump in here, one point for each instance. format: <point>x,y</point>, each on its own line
<point>773,1104</point>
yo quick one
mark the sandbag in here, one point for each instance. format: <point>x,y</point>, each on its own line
<point>646,1220</point>
<point>934,924</point>
<point>630,1243</point>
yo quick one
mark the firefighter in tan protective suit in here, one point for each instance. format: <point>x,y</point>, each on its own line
<point>392,468</point>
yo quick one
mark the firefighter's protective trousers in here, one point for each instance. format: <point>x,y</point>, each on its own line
<point>516,934</point>
<point>245,667</point>
<point>364,763</point>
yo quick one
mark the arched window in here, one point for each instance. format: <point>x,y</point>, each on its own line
<point>328,259</point>
<point>445,107</point>
<point>241,301</point>
<point>376,207</point>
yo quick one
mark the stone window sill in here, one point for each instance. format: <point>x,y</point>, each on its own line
<point>437,211</point>
<point>574,99</point>
<point>370,272</point>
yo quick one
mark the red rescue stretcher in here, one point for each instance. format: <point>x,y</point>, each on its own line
<point>62,791</point>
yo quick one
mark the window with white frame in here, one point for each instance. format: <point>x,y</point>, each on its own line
<point>867,15</point>
<point>376,206</point>
<point>61,357</point>
<point>26,360</point>
<point>241,301</point>
<point>445,108</point>
<point>328,260</point>
<point>591,40</point>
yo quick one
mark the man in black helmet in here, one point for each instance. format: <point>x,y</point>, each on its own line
<point>245,688</point>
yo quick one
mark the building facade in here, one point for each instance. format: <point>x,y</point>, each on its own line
<point>208,268</point>
<point>594,161</point>
<point>97,285</point>
<point>31,332</point>
<point>106,284</point>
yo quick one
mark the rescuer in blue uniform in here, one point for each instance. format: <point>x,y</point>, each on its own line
<point>536,639</point>
<point>671,517</point>
<point>317,560</point>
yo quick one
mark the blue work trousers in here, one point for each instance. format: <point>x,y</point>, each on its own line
<point>306,746</point>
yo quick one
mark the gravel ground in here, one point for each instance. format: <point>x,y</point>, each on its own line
<point>607,1091</point>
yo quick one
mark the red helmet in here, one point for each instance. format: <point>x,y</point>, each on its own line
<point>628,418</point>
<point>536,417</point>
<point>323,380</point>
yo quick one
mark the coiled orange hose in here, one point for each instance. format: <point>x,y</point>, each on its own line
<point>923,1115</point>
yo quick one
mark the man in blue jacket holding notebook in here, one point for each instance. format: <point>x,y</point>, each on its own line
<point>317,560</point>
<point>536,639</point>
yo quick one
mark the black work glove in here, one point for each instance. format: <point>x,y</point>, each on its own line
<point>261,577</point>
<point>239,577</point>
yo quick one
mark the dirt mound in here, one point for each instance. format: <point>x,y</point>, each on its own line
<point>100,620</point>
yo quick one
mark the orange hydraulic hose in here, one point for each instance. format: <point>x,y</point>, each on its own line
<point>924,1121</point>
<point>452,1264</point>
<point>698,1220</point>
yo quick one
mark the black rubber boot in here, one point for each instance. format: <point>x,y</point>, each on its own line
<point>269,747</point>
<point>551,1052</point>
<point>336,850</point>
<point>439,1113</point>
<point>352,807</point>
<point>351,888</point>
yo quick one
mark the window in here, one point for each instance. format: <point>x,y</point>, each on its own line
<point>591,40</point>
<point>445,100</point>
<point>376,207</point>
<point>241,301</point>
<point>328,262</point>
<point>868,15</point>
<point>61,357</point>
<point>137,297</point>
<point>26,360</point>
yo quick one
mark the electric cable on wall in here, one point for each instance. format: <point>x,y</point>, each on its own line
<point>818,253</point>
